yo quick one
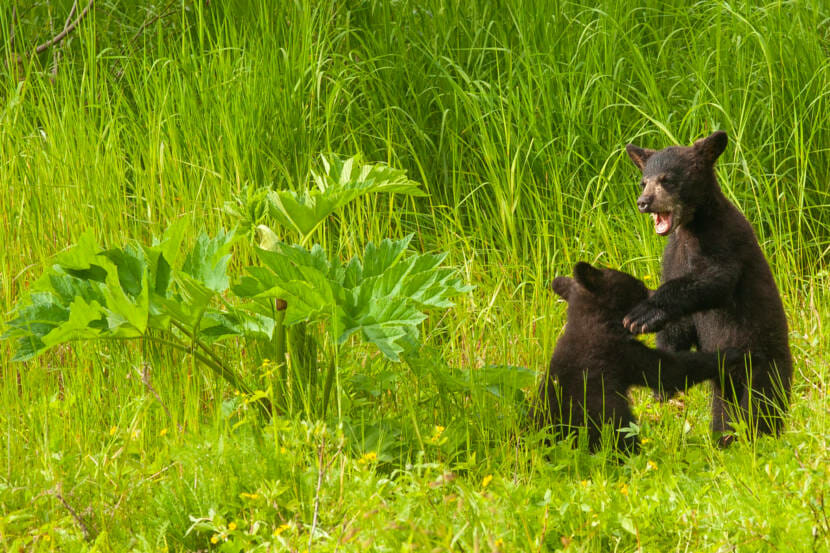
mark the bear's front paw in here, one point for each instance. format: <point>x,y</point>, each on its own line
<point>645,318</point>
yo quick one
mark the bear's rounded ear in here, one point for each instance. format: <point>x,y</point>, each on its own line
<point>639,155</point>
<point>711,147</point>
<point>589,277</point>
<point>563,286</point>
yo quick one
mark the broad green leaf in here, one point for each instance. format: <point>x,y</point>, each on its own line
<point>79,325</point>
<point>207,262</point>
<point>159,271</point>
<point>378,259</point>
<point>170,244</point>
<point>35,319</point>
<point>190,304</point>
<point>93,292</point>
<point>260,283</point>
<point>68,287</point>
<point>379,296</point>
<point>289,261</point>
<point>340,183</point>
<point>301,278</point>
<point>268,239</point>
<point>385,324</point>
<point>369,177</point>
<point>126,316</point>
<point>82,255</point>
<point>249,209</point>
<point>131,265</point>
<point>218,325</point>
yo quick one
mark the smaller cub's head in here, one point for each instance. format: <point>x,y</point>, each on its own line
<point>676,180</point>
<point>601,290</point>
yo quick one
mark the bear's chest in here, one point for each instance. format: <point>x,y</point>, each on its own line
<point>682,256</point>
<point>717,329</point>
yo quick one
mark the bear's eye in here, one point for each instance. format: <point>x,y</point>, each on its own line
<point>643,183</point>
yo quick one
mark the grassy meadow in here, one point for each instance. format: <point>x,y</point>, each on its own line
<point>513,117</point>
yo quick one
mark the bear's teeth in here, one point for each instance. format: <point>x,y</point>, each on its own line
<point>662,222</point>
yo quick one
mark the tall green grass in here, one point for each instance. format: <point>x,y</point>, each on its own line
<point>514,116</point>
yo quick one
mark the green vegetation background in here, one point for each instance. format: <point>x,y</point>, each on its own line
<point>513,115</point>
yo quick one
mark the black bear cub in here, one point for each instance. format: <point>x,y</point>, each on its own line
<point>596,360</point>
<point>718,291</point>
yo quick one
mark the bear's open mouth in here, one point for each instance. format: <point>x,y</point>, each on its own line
<point>662,222</point>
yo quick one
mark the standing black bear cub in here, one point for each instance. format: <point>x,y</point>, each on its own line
<point>596,360</point>
<point>717,291</point>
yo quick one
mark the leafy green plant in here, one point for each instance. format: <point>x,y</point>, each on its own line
<point>380,297</point>
<point>181,300</point>
<point>134,292</point>
<point>336,185</point>
<point>304,286</point>
<point>340,182</point>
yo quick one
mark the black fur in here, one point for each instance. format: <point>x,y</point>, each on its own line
<point>596,360</point>
<point>718,291</point>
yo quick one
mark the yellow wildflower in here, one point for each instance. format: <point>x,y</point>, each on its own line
<point>281,529</point>
<point>113,430</point>
<point>251,496</point>
<point>651,465</point>
<point>486,480</point>
<point>232,526</point>
<point>214,539</point>
<point>368,458</point>
<point>624,489</point>
<point>163,432</point>
<point>436,434</point>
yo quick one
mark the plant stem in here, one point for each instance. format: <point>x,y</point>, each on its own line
<point>214,365</point>
<point>278,341</point>
<point>327,386</point>
<point>198,342</point>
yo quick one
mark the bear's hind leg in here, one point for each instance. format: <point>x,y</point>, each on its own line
<point>612,415</point>
<point>721,417</point>
<point>766,400</point>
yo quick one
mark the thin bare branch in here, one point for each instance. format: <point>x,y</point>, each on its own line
<point>164,12</point>
<point>84,528</point>
<point>56,56</point>
<point>65,32</point>
<point>320,472</point>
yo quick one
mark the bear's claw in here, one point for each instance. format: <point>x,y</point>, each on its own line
<point>645,318</point>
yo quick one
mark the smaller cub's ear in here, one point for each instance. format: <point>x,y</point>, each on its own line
<point>711,147</point>
<point>563,286</point>
<point>589,277</point>
<point>639,155</point>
